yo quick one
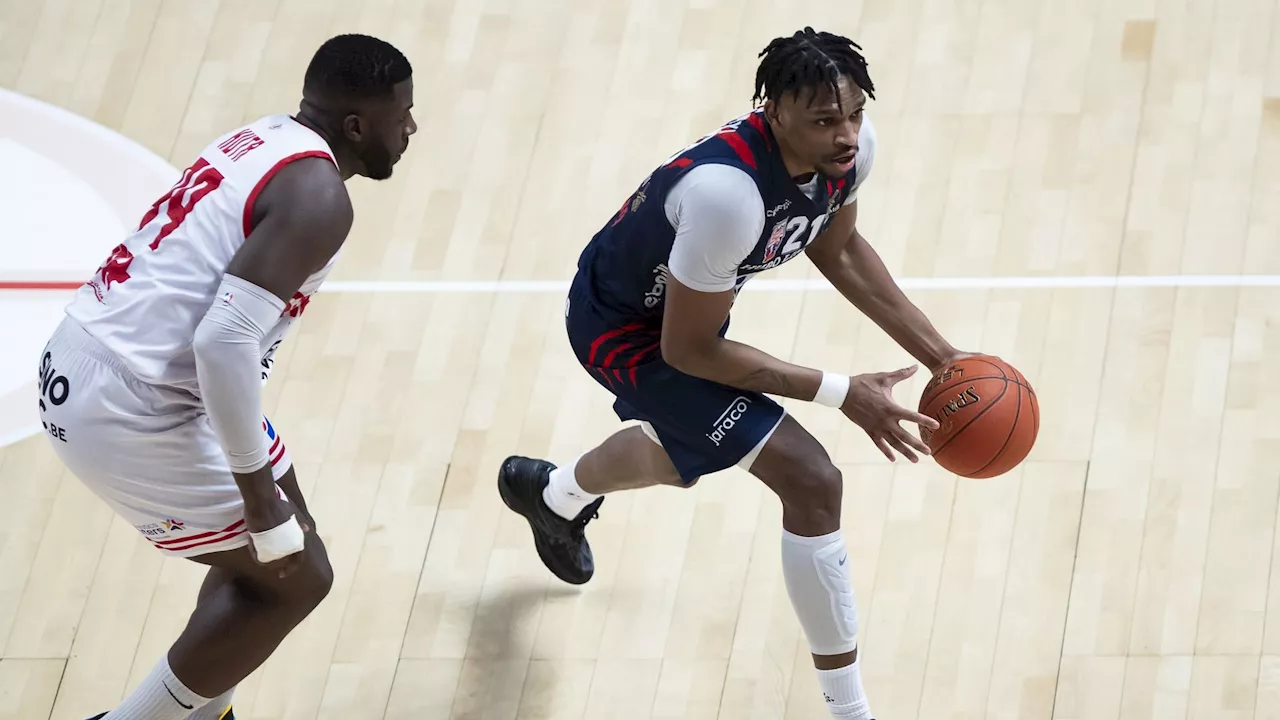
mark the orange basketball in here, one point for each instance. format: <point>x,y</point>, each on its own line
<point>988,417</point>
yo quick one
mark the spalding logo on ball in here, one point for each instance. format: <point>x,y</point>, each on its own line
<point>987,414</point>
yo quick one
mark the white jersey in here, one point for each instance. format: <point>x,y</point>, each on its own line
<point>144,303</point>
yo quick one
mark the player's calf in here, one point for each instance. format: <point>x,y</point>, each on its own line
<point>627,460</point>
<point>815,562</point>
<point>238,624</point>
<point>243,612</point>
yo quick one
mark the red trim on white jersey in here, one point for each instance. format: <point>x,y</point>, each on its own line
<point>266,178</point>
<point>276,452</point>
<point>205,538</point>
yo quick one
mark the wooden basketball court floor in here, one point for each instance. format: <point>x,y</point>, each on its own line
<point>1031,153</point>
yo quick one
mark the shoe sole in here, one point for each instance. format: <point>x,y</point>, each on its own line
<point>511,503</point>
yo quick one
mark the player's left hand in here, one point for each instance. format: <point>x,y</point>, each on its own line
<point>871,406</point>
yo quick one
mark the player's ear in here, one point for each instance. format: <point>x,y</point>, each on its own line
<point>771,111</point>
<point>352,127</point>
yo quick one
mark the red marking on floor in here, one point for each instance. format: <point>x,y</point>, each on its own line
<point>39,285</point>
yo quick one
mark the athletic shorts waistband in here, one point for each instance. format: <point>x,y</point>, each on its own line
<point>71,335</point>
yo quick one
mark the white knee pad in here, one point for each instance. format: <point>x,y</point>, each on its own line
<point>816,570</point>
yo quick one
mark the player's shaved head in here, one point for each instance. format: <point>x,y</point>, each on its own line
<point>810,60</point>
<point>358,93</point>
<point>355,67</point>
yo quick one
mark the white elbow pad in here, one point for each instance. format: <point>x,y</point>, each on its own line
<point>228,349</point>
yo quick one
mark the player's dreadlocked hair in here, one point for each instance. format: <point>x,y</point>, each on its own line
<point>809,60</point>
<point>356,66</point>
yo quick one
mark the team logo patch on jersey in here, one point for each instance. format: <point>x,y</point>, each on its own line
<point>775,239</point>
<point>114,270</point>
<point>632,203</point>
<point>836,196</point>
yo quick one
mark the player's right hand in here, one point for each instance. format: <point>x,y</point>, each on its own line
<point>870,404</point>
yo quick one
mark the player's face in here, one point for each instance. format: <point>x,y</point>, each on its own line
<point>820,130</point>
<point>391,122</point>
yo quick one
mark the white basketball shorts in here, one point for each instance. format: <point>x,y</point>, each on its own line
<point>148,451</point>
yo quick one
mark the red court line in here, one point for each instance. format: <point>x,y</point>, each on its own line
<point>39,285</point>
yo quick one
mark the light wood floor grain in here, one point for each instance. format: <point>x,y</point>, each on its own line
<point>1125,571</point>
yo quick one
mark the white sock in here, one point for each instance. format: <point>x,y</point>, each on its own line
<point>842,689</point>
<point>563,495</point>
<point>160,696</point>
<point>215,708</point>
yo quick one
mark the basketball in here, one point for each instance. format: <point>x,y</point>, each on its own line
<point>987,414</point>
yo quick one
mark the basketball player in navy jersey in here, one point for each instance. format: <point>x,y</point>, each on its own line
<point>647,315</point>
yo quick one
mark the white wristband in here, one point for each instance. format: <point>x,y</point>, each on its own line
<point>280,541</point>
<point>833,390</point>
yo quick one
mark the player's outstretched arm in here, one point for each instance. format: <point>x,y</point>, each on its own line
<point>856,270</point>
<point>299,220</point>
<point>718,216</point>
<point>691,343</point>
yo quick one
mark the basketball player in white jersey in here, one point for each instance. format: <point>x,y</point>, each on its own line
<point>150,388</point>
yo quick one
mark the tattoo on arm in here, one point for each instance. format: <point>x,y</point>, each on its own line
<point>767,380</point>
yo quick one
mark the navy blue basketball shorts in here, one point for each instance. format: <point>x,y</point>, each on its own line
<point>704,426</point>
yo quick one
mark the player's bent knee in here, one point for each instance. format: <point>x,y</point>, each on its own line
<point>302,589</point>
<point>311,582</point>
<point>813,488</point>
<point>797,468</point>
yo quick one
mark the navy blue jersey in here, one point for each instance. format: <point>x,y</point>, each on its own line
<point>624,267</point>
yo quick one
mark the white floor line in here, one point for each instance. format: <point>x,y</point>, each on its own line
<point>1033,282</point>
<point>799,285</point>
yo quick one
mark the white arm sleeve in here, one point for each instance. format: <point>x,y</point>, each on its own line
<point>718,216</point>
<point>866,157</point>
<point>228,351</point>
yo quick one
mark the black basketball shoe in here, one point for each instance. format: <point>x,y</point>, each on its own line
<point>561,543</point>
